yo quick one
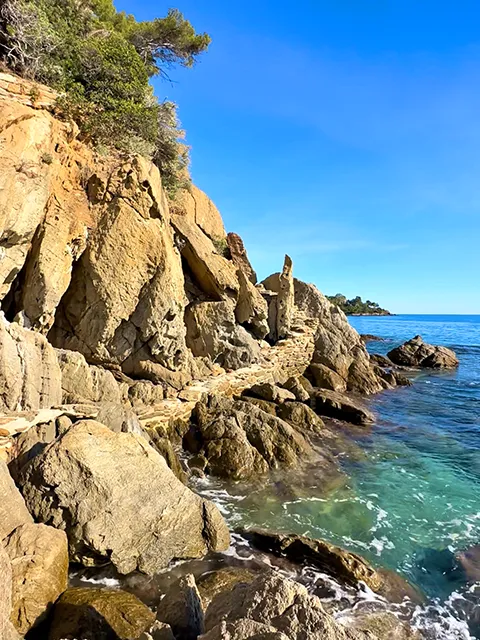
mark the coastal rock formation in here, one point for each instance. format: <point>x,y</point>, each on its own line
<point>417,353</point>
<point>338,405</point>
<point>279,603</point>
<point>90,614</point>
<point>281,306</point>
<point>238,254</point>
<point>196,206</point>
<point>39,557</point>
<point>13,511</point>
<point>241,441</point>
<point>7,630</point>
<point>71,486</point>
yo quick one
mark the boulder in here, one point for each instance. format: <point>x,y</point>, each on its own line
<point>241,441</point>
<point>280,603</point>
<point>30,377</point>
<point>181,608</point>
<point>301,417</point>
<point>340,406</point>
<point>82,382</point>
<point>212,331</point>
<point>13,511</point>
<point>215,582</point>
<point>238,254</point>
<point>118,501</point>
<point>337,344</point>
<point>270,392</point>
<point>126,299</point>
<point>39,557</point>
<point>99,614</point>
<point>243,629</point>
<point>384,625</point>
<point>296,387</point>
<point>417,353</point>
<point>325,378</point>
<point>29,444</point>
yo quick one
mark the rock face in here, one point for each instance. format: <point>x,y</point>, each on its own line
<point>82,382</point>
<point>196,206</point>
<point>93,614</point>
<point>241,441</point>
<point>30,377</point>
<point>279,603</point>
<point>212,330</point>
<point>13,511</point>
<point>126,299</point>
<point>39,557</point>
<point>417,353</point>
<point>238,254</point>
<point>71,485</point>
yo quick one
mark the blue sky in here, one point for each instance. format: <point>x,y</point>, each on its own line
<point>345,133</point>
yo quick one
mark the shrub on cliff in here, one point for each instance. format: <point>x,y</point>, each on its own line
<point>101,61</point>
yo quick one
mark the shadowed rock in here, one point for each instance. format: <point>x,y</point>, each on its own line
<point>417,353</point>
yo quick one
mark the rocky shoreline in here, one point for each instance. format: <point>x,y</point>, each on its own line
<point>139,354</point>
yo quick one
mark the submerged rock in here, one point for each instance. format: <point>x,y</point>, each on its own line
<point>118,501</point>
<point>99,614</point>
<point>417,353</point>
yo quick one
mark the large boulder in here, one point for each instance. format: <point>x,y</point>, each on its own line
<point>126,299</point>
<point>39,557</point>
<point>337,345</point>
<point>337,405</point>
<point>417,353</point>
<point>30,377</point>
<point>196,207</point>
<point>99,614</point>
<point>118,501</point>
<point>212,331</point>
<point>280,603</point>
<point>13,511</point>
<point>241,441</point>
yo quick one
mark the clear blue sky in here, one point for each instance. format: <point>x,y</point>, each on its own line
<point>346,133</point>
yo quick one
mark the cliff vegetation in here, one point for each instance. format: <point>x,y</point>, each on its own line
<point>101,62</point>
<point>357,307</point>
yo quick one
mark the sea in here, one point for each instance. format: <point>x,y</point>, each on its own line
<point>412,499</point>
<point>409,500</point>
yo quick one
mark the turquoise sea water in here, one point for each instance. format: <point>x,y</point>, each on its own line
<point>412,498</point>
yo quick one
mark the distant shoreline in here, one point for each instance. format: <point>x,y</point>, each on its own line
<point>377,315</point>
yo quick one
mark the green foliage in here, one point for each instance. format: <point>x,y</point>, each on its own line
<point>356,306</point>
<point>47,158</point>
<point>101,61</point>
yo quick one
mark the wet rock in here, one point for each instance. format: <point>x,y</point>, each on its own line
<point>348,568</point>
<point>118,501</point>
<point>241,441</point>
<point>212,332</point>
<point>385,626</point>
<point>215,582</point>
<point>281,603</point>
<point>13,510</point>
<point>342,407</point>
<point>181,608</point>
<point>417,353</point>
<point>369,337</point>
<point>325,378</point>
<point>299,391</point>
<point>39,557</point>
<point>239,256</point>
<point>270,393</point>
<point>469,559</point>
<point>99,614</point>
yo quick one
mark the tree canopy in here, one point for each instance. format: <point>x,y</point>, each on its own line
<point>101,61</point>
<point>356,306</point>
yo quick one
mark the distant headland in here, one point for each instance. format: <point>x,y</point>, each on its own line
<point>357,307</point>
